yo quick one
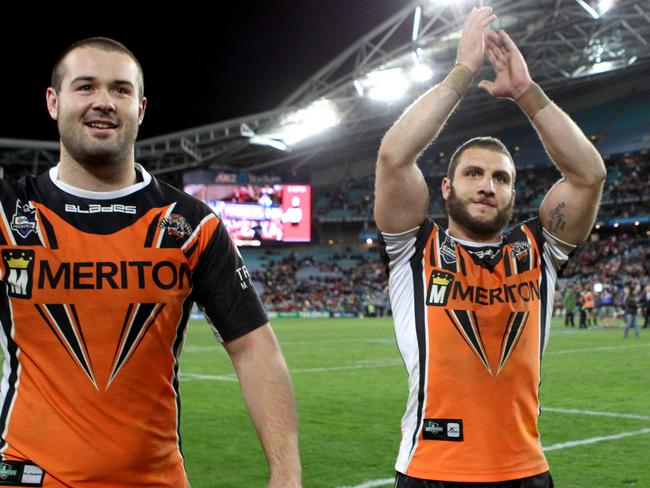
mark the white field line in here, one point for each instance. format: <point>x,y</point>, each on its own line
<point>593,440</point>
<point>378,340</point>
<point>212,377</point>
<point>371,484</point>
<point>597,414</point>
<point>218,348</point>
<point>602,348</point>
<point>389,363</point>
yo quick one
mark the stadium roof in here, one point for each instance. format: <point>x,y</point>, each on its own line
<point>568,44</point>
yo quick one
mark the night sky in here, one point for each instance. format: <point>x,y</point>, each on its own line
<point>202,64</point>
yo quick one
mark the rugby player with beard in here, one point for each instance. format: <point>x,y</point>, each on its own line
<point>471,303</point>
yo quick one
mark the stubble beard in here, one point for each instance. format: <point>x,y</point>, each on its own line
<point>482,228</point>
<point>88,151</point>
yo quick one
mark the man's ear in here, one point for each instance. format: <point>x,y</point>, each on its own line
<point>52,100</point>
<point>141,110</point>
<point>446,187</point>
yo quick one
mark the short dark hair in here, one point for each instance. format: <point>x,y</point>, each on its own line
<point>102,43</point>
<point>486,142</point>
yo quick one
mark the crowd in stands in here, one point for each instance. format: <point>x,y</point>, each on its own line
<point>337,281</point>
<point>626,192</point>
<point>605,280</point>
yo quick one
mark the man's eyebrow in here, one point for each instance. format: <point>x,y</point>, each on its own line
<point>501,172</point>
<point>93,78</point>
<point>123,82</point>
<point>82,78</point>
<point>479,169</point>
<point>473,168</point>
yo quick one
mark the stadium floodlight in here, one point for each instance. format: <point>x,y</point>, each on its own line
<point>416,23</point>
<point>597,68</point>
<point>604,6</point>
<point>386,84</point>
<point>306,122</point>
<point>358,87</point>
<point>267,141</point>
<point>596,8</point>
<point>260,140</point>
<point>421,73</point>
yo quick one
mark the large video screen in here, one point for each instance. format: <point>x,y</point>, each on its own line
<point>255,214</point>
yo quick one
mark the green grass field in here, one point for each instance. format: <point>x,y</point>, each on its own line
<point>351,389</point>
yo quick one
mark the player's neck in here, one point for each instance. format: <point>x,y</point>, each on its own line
<point>94,178</point>
<point>457,231</point>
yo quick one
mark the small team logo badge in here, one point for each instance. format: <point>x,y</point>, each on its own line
<point>6,471</point>
<point>24,219</point>
<point>520,249</point>
<point>453,429</point>
<point>19,270</point>
<point>439,287</point>
<point>448,250</point>
<point>432,427</point>
<point>176,225</point>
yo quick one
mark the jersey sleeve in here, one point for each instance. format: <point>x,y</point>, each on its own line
<point>223,288</point>
<point>556,252</point>
<point>397,249</point>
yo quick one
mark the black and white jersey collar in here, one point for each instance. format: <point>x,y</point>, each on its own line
<point>101,195</point>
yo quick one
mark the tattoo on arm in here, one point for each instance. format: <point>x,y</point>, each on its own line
<point>558,222</point>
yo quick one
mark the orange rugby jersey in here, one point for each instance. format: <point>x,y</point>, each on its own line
<point>471,323</point>
<point>96,291</point>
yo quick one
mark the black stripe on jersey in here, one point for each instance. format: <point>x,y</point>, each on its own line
<point>127,318</point>
<point>151,231</point>
<point>535,228</point>
<point>536,260</point>
<point>49,324</point>
<point>433,251</point>
<point>63,323</point>
<point>3,241</point>
<point>11,358</point>
<point>466,324</point>
<point>145,315</point>
<point>383,254</point>
<point>523,264</point>
<point>507,262</point>
<point>516,323</point>
<point>542,312</point>
<point>178,342</point>
<point>420,323</point>
<point>77,323</point>
<point>49,231</point>
<point>515,264</point>
<point>57,319</point>
<point>191,250</point>
<point>461,261</point>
